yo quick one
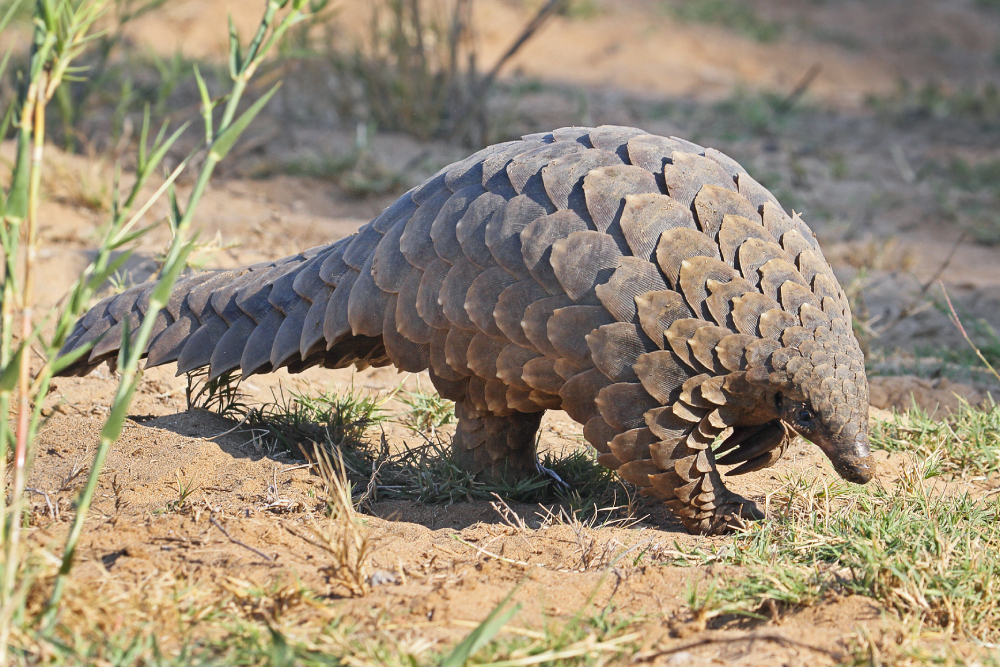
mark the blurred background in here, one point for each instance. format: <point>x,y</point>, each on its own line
<point>877,120</point>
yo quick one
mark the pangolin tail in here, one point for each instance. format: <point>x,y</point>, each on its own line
<point>290,313</point>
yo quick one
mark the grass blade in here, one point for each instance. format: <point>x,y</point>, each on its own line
<point>482,635</point>
<point>224,143</point>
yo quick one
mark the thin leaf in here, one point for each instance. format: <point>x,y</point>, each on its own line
<point>116,418</point>
<point>483,633</point>
<point>207,104</point>
<point>8,16</point>
<point>175,208</point>
<point>132,236</point>
<point>11,372</point>
<point>17,200</point>
<point>143,138</point>
<point>99,276</point>
<point>160,149</point>
<point>4,126</point>
<point>161,293</point>
<point>224,143</point>
<point>64,361</point>
<point>235,57</point>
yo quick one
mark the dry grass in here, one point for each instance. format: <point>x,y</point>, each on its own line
<point>341,535</point>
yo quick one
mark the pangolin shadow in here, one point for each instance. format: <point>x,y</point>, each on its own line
<point>237,441</point>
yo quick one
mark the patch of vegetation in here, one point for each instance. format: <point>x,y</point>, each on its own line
<point>429,474</point>
<point>580,9</point>
<point>912,647</point>
<point>731,14</point>
<point>426,412</point>
<point>185,489</point>
<point>983,351</point>
<point>337,423</point>
<point>974,176</point>
<point>64,33</point>
<point>926,556</point>
<point>748,114</point>
<point>966,443</point>
<point>236,622</point>
<point>935,101</point>
<point>221,395</point>
<point>417,68</point>
<point>969,193</point>
<point>330,419</point>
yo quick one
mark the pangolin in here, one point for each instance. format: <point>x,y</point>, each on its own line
<point>649,287</point>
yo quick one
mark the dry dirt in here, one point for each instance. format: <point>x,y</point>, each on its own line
<point>446,566</point>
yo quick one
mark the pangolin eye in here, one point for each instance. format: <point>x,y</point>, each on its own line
<point>805,417</point>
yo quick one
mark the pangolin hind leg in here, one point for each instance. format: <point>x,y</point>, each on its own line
<point>497,448</point>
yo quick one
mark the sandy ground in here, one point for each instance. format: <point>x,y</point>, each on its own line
<point>445,566</point>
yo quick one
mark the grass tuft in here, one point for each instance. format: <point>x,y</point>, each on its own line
<point>342,536</point>
<point>931,557</point>
<point>424,471</point>
<point>333,420</point>
<point>426,412</point>
<point>967,443</point>
<point>731,14</point>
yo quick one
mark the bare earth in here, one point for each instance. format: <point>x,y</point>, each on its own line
<point>445,567</point>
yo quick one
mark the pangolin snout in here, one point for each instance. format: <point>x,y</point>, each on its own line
<point>854,461</point>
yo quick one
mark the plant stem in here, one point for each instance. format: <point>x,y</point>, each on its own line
<point>33,118</point>
<point>132,350</point>
<point>958,323</point>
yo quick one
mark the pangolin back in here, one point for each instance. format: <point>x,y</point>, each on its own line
<point>649,287</point>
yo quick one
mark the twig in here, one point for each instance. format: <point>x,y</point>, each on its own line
<point>944,265</point>
<point>584,647</point>
<point>53,511</point>
<point>799,90</point>
<point>778,639</point>
<point>917,304</point>
<point>484,552</point>
<point>307,540</point>
<point>628,551</point>
<point>547,10</point>
<point>299,467</point>
<point>242,422</point>
<point>237,542</point>
<point>958,323</point>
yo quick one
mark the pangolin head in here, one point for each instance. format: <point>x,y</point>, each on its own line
<point>821,392</point>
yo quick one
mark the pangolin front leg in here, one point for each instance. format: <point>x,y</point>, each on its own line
<point>649,287</point>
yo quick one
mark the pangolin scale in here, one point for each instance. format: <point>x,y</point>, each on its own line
<point>647,286</point>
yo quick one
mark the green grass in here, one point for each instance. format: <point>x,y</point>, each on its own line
<point>980,104</point>
<point>969,192</point>
<point>331,419</point>
<point>21,15</point>
<point>931,557</point>
<point>922,552</point>
<point>253,625</point>
<point>744,114</point>
<point>580,9</point>
<point>982,336</point>
<point>974,175</point>
<point>426,412</point>
<point>734,15</point>
<point>424,469</point>
<point>964,444</point>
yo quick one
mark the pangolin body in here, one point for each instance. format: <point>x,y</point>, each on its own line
<point>647,286</point>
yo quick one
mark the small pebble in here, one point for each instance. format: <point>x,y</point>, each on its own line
<point>383,578</point>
